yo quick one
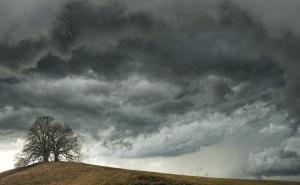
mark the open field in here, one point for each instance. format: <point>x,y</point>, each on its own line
<point>69,173</point>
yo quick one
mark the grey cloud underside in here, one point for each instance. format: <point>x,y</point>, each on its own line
<point>276,161</point>
<point>127,74</point>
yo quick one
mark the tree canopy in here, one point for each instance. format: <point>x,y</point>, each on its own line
<point>48,140</point>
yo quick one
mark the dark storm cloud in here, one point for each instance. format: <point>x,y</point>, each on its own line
<point>279,38</point>
<point>16,57</point>
<point>51,65</point>
<point>276,161</point>
<point>15,118</point>
<point>77,24</point>
<point>132,124</point>
<point>173,107</point>
<point>173,56</point>
<point>126,70</point>
<point>83,21</point>
<point>9,80</point>
<point>170,57</point>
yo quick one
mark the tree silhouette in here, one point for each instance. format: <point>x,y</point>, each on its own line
<point>48,140</point>
<point>64,144</point>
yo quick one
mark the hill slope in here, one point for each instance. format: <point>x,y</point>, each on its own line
<point>67,173</point>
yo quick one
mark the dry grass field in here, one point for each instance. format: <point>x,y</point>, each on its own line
<point>69,173</point>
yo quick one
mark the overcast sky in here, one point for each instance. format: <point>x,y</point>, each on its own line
<point>208,88</point>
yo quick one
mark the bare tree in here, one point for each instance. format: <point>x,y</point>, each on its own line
<point>37,146</point>
<point>65,144</point>
<point>48,140</point>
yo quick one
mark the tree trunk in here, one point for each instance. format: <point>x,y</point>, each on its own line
<point>45,158</point>
<point>56,157</point>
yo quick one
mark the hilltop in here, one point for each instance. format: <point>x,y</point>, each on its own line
<point>70,173</point>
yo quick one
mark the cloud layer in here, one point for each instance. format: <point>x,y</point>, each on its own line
<point>162,79</point>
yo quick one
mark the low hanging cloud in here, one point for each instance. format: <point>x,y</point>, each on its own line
<point>197,130</point>
<point>277,161</point>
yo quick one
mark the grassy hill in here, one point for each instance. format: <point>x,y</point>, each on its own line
<point>67,173</point>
